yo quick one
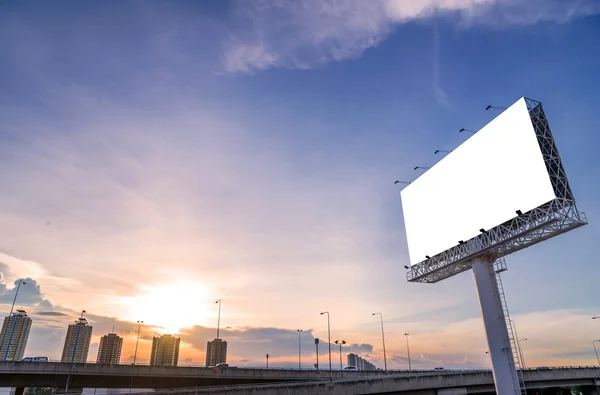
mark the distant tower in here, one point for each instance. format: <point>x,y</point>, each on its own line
<point>14,335</point>
<point>216,352</point>
<point>77,342</point>
<point>109,351</point>
<point>165,351</point>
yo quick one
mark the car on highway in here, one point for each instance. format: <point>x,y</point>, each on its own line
<point>439,369</point>
<point>35,359</point>
<point>350,368</point>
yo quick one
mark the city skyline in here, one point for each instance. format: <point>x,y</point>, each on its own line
<point>190,151</point>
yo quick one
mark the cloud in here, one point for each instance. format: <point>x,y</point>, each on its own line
<point>52,313</point>
<point>439,92</point>
<point>304,33</point>
<point>30,293</point>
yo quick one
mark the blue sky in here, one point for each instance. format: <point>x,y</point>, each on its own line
<point>168,154</point>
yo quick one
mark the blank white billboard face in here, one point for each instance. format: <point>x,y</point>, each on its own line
<point>479,185</point>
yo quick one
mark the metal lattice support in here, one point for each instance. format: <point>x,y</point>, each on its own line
<point>553,218</point>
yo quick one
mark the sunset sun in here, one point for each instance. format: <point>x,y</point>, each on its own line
<point>171,307</point>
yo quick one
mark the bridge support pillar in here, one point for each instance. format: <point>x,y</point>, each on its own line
<point>590,390</point>
<point>19,391</point>
<point>503,364</point>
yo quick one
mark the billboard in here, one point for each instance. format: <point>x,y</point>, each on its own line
<point>479,185</point>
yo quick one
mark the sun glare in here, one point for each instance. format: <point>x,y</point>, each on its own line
<point>172,307</point>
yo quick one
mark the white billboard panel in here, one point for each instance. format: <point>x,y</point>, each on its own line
<point>479,185</point>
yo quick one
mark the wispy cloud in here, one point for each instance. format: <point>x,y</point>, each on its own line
<point>439,92</point>
<point>305,33</point>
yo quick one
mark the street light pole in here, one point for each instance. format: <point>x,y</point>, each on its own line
<point>408,351</point>
<point>383,338</point>
<point>340,344</point>
<point>135,353</point>
<point>137,340</point>
<point>522,355</point>
<point>328,341</point>
<point>267,361</point>
<point>596,350</point>
<point>219,318</point>
<point>317,346</point>
<point>519,353</point>
<point>299,350</point>
<point>5,357</point>
<point>77,329</point>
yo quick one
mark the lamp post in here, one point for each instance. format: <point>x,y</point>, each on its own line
<point>77,330</point>
<point>267,361</point>
<point>383,338</point>
<point>340,343</point>
<point>317,347</point>
<point>445,151</point>
<point>299,349</point>
<point>137,340</point>
<point>219,318</point>
<point>596,350</point>
<point>408,351</point>
<point>135,353</point>
<point>402,182</point>
<point>6,354</point>
<point>328,341</point>
<point>422,168</point>
<point>472,131</point>
<point>519,352</point>
<point>522,355</point>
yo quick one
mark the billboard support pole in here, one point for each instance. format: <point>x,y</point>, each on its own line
<point>503,364</point>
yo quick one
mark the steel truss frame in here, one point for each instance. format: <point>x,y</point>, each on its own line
<point>551,219</point>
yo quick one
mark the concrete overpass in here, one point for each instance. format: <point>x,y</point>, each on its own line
<point>54,374</point>
<point>541,382</point>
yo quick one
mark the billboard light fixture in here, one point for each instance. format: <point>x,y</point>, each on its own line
<point>472,131</point>
<point>482,230</point>
<point>519,212</point>
<point>427,256</point>
<point>461,242</point>
<point>496,107</point>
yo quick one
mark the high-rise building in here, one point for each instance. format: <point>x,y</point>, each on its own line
<point>109,350</point>
<point>165,351</point>
<point>77,342</point>
<point>216,352</point>
<point>14,335</point>
<point>359,363</point>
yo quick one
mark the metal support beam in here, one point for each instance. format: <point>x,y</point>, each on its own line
<point>503,364</point>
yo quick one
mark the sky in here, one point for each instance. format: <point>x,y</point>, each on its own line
<point>156,156</point>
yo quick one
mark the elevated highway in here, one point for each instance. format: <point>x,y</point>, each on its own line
<point>54,374</point>
<point>540,382</point>
<point>242,381</point>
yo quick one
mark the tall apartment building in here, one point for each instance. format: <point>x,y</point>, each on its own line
<point>216,352</point>
<point>109,351</point>
<point>14,335</point>
<point>359,363</point>
<point>77,342</point>
<point>165,351</point>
